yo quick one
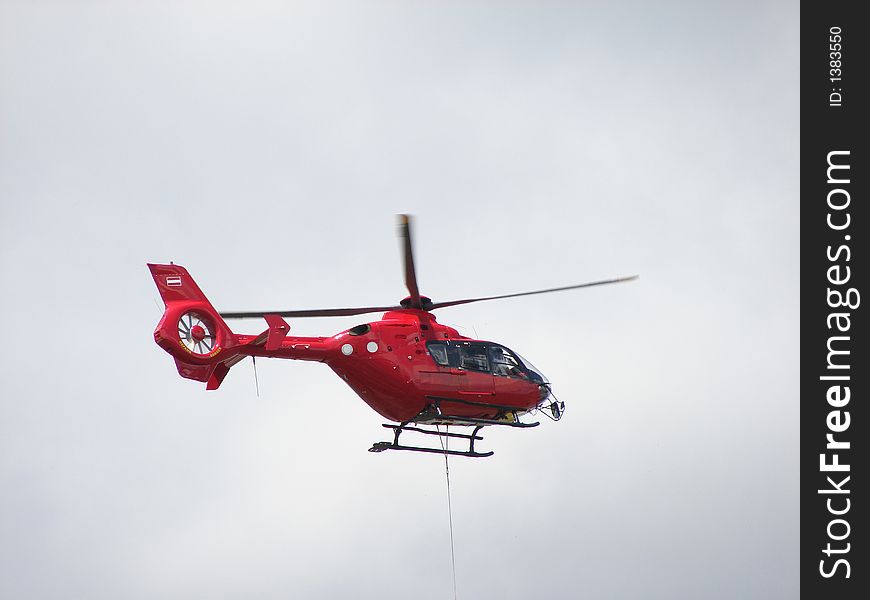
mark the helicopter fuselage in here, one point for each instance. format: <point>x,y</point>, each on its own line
<point>390,365</point>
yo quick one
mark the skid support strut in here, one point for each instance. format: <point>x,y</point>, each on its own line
<point>433,416</point>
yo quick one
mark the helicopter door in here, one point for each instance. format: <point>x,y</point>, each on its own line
<point>474,367</point>
<point>442,376</point>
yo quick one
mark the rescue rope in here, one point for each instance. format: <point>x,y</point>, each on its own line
<point>444,445</point>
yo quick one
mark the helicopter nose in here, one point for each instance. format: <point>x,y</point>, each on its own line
<point>544,390</point>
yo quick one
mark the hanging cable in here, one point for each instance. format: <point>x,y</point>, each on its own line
<point>445,443</point>
<point>256,381</point>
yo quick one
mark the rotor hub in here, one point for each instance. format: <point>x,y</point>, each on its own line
<point>425,301</point>
<point>197,333</point>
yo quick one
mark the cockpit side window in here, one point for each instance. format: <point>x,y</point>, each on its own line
<point>473,357</point>
<point>464,355</point>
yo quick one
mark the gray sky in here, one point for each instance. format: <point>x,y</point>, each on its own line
<point>267,146</point>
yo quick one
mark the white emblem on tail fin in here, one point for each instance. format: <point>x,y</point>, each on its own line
<point>174,281</point>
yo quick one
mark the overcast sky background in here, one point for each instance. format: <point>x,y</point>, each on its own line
<point>267,146</point>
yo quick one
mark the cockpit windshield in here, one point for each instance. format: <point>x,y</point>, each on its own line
<point>533,369</point>
<point>505,363</point>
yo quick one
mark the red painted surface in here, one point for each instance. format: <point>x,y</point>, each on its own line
<point>389,366</point>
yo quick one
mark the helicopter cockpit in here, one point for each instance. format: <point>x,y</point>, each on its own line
<point>484,357</point>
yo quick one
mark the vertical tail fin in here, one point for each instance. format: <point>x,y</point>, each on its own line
<point>176,285</point>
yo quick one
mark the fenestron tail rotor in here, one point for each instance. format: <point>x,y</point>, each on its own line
<point>196,333</point>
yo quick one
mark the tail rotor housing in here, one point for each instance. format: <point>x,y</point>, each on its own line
<point>191,330</point>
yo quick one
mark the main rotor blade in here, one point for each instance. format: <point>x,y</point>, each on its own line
<point>547,291</point>
<point>318,312</point>
<point>408,251</point>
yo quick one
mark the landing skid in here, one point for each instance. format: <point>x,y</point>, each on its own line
<point>398,429</point>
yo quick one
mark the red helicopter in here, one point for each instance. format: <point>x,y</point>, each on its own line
<point>408,367</point>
